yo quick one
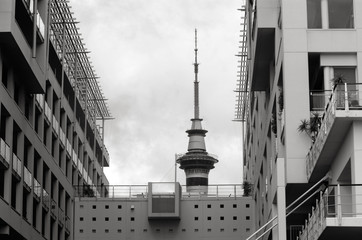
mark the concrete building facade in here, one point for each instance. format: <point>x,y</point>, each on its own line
<point>300,103</point>
<point>222,213</point>
<point>51,128</point>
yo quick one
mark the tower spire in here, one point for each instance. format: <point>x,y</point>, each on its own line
<point>196,83</point>
<point>196,163</point>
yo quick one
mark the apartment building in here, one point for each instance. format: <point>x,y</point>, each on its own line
<point>165,210</point>
<point>52,114</point>
<point>299,101</point>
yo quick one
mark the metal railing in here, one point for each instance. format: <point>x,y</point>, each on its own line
<point>17,165</point>
<point>55,125</point>
<point>53,208</point>
<point>74,158</point>
<point>61,216</point>
<point>46,199</point>
<point>47,112</point>
<point>67,223</point>
<point>337,202</point>
<point>141,191</point>
<point>40,100</point>
<point>345,97</point>
<point>5,151</point>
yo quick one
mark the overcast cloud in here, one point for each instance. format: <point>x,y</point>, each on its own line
<point>143,51</point>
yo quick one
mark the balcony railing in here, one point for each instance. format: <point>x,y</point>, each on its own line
<point>16,165</point>
<point>5,151</point>
<point>55,125</point>
<point>333,206</point>
<point>345,97</point>
<point>62,136</point>
<point>61,216</point>
<point>67,223</point>
<point>69,147</point>
<point>28,178</point>
<point>37,189</point>
<point>80,166</point>
<point>40,100</point>
<point>46,199</point>
<point>47,112</point>
<point>39,23</point>
<point>53,208</point>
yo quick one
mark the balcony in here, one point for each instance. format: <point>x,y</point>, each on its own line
<point>74,158</point>
<point>28,179</point>
<point>47,112</point>
<point>39,99</point>
<point>17,166</point>
<point>336,215</point>
<point>46,199</point>
<point>53,208</point>
<point>61,217</point>
<point>37,189</point>
<point>5,153</point>
<point>67,224</point>
<point>342,107</point>
<point>55,125</point>
<point>69,147</point>
<point>62,137</point>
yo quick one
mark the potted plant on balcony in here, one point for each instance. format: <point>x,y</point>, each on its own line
<point>311,126</point>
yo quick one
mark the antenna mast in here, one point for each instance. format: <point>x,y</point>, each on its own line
<point>196,82</point>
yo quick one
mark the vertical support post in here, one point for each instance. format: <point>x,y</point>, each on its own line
<point>325,15</point>
<point>346,104</point>
<point>339,205</point>
<point>35,16</point>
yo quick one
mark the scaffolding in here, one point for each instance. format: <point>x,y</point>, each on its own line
<point>76,65</point>
<point>242,86</point>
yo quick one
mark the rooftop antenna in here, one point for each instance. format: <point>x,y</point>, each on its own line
<point>196,82</point>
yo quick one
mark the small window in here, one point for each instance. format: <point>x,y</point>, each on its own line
<point>183,230</point>
<point>235,205</point>
<point>81,230</point>
<point>119,219</point>
<point>248,230</point>
<point>221,230</point>
<point>81,206</point>
<point>235,218</point>
<point>196,218</point>
<point>94,206</point>
<point>222,218</point>
<point>81,219</point>
<point>196,230</point>
<point>158,230</point>
<point>132,219</point>
<point>107,206</point>
<point>106,219</point>
<point>209,218</point>
<point>209,229</point>
<point>106,230</point>
<point>145,230</point>
<point>132,230</point>
<point>235,229</point>
<point>94,231</point>
<point>119,230</point>
<point>170,230</point>
<point>196,206</point>
<point>208,205</point>
<point>247,205</point>
<point>221,205</point>
<point>119,206</point>
<point>247,217</point>
<point>94,219</point>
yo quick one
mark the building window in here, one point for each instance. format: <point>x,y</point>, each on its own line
<point>119,230</point>
<point>221,230</point>
<point>235,205</point>
<point>106,230</point>
<point>81,219</point>
<point>94,219</point>
<point>107,206</point>
<point>158,230</point>
<point>330,14</point>
<point>81,230</point>
<point>106,219</point>
<point>208,218</point>
<point>132,230</point>
<point>208,205</point>
<point>196,218</point>
<point>221,218</point>
<point>94,206</point>
<point>247,217</point>
<point>247,205</point>
<point>119,206</point>
<point>144,230</point>
<point>209,229</point>
<point>235,218</point>
<point>196,230</point>
<point>119,219</point>
<point>183,230</point>
<point>132,219</point>
<point>221,205</point>
<point>196,206</point>
<point>170,230</point>
<point>235,229</point>
<point>248,230</point>
<point>81,206</point>
<point>94,231</point>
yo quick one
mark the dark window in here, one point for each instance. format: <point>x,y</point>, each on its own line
<point>119,230</point>
<point>81,219</point>
<point>106,230</point>
<point>221,205</point>
<point>132,230</point>
<point>184,230</point>
<point>208,218</point>
<point>340,13</point>
<point>221,218</point>
<point>119,206</point>
<point>94,219</point>
<point>196,206</point>
<point>235,218</point>
<point>132,218</point>
<point>158,230</point>
<point>196,230</point>
<point>235,229</point>
<point>145,230</point>
<point>247,205</point>
<point>106,219</point>
<point>94,231</point>
<point>209,229</point>
<point>94,206</point>
<point>119,219</point>
<point>107,206</point>
<point>314,13</point>
<point>196,218</point>
<point>208,205</point>
<point>221,230</point>
<point>247,218</point>
<point>235,205</point>
<point>81,230</point>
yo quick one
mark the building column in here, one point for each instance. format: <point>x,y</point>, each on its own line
<point>282,222</point>
<point>324,13</point>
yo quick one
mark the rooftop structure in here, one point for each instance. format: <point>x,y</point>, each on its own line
<point>299,101</point>
<point>196,162</point>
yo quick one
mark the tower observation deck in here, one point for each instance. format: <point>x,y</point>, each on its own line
<point>196,162</point>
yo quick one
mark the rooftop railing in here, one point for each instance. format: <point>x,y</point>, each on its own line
<point>345,97</point>
<point>141,191</point>
<point>337,202</point>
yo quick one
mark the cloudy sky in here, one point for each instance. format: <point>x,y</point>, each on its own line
<point>143,51</point>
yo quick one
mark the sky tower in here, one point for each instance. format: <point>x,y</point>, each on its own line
<point>196,162</point>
